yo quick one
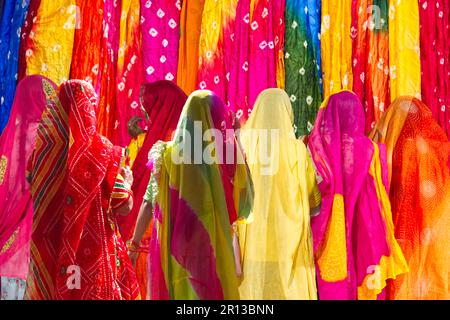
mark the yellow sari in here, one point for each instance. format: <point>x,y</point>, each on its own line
<point>404,48</point>
<point>336,46</point>
<point>276,246</point>
<point>50,45</point>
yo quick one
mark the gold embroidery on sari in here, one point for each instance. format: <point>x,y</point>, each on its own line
<point>3,166</point>
<point>8,244</point>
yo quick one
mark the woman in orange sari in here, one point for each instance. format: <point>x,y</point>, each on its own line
<point>77,251</point>
<point>419,176</point>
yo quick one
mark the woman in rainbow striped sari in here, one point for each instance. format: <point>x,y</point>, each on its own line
<point>194,204</point>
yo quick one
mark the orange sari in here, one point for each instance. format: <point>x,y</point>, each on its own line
<point>419,175</point>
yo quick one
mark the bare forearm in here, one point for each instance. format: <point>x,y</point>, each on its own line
<point>143,221</point>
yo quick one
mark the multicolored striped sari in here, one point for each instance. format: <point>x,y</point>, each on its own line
<point>370,33</point>
<point>302,61</point>
<point>191,252</point>
<point>419,176</point>
<point>354,243</point>
<point>10,31</point>
<point>16,146</point>
<point>160,36</point>
<point>435,58</point>
<point>76,234</point>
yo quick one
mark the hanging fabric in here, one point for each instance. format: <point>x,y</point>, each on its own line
<point>370,33</point>
<point>302,60</point>
<point>336,46</point>
<point>404,49</point>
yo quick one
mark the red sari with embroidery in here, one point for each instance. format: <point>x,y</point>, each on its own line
<point>87,240</point>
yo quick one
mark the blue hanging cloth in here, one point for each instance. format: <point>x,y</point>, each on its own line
<point>12,19</point>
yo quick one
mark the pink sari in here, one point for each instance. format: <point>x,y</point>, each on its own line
<point>16,145</point>
<point>435,58</point>
<point>160,36</point>
<point>255,52</point>
<point>354,242</point>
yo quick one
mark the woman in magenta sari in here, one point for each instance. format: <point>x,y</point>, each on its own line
<point>354,244</point>
<point>16,210</point>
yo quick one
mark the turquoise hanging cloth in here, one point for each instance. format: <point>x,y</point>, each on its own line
<point>302,61</point>
<point>12,18</point>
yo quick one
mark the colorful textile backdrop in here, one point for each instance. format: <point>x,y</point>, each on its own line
<point>160,21</point>
<point>435,58</point>
<point>191,253</point>
<point>336,46</point>
<point>108,67</point>
<point>130,73</point>
<point>16,146</point>
<point>419,175</point>
<point>254,60</point>
<point>276,246</point>
<point>87,42</point>
<point>190,29</point>
<point>27,26</point>
<point>216,46</point>
<point>48,47</point>
<point>302,61</point>
<point>354,243</point>
<point>404,48</point>
<point>370,34</point>
<point>10,31</point>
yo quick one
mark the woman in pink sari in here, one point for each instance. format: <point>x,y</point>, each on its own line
<point>354,244</point>
<point>16,210</point>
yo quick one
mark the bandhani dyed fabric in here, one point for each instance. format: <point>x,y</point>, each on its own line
<point>215,46</point>
<point>354,244</point>
<point>302,61</point>
<point>162,101</point>
<point>160,36</point>
<point>336,46</point>
<point>190,29</point>
<point>10,31</point>
<point>27,26</point>
<point>279,8</point>
<point>130,73</point>
<point>276,247</point>
<point>435,58</point>
<point>191,253</point>
<point>419,175</point>
<point>48,48</point>
<point>370,33</point>
<point>16,145</point>
<point>87,42</point>
<point>404,49</point>
<point>87,236</point>
<point>108,67</point>
<point>254,59</point>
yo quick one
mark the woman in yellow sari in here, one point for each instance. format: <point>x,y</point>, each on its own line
<point>276,247</point>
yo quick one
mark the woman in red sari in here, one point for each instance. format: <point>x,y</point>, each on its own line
<point>77,251</point>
